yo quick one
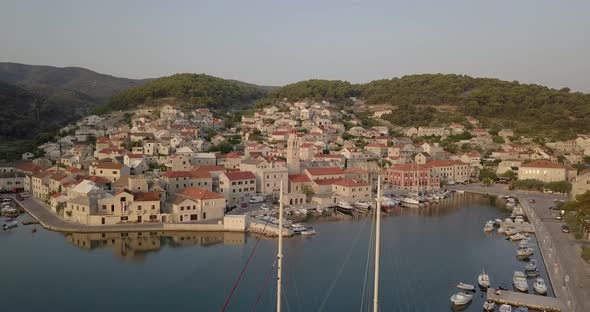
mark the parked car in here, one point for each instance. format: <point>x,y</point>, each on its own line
<point>256,199</point>
<point>244,205</point>
<point>565,228</point>
<point>559,217</point>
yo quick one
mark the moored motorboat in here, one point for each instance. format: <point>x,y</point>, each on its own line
<point>483,280</point>
<point>521,309</point>
<point>501,230</point>
<point>345,208</point>
<point>362,206</point>
<point>410,202</point>
<point>461,298</point>
<point>309,231</point>
<point>531,265</point>
<point>9,225</point>
<point>489,226</point>
<point>464,286</point>
<point>524,251</point>
<point>505,308</point>
<point>540,287</point>
<point>519,281</point>
<point>532,274</point>
<point>489,306</point>
<point>517,237</point>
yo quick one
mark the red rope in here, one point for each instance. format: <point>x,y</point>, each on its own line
<point>243,271</point>
<point>268,275</point>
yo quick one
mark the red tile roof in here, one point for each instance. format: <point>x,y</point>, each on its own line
<point>233,155</point>
<point>350,183</point>
<point>134,155</point>
<point>146,196</point>
<point>543,164</point>
<point>208,168</point>
<point>299,178</point>
<point>98,180</point>
<point>240,175</point>
<point>198,193</point>
<point>109,165</point>
<point>325,171</point>
<point>27,166</point>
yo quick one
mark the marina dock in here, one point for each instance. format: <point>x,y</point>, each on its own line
<point>541,303</point>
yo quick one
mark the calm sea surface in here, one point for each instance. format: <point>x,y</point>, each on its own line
<point>425,252</point>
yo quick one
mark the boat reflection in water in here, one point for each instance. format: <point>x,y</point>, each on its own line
<point>135,245</point>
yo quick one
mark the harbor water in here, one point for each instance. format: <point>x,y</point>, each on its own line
<point>425,253</point>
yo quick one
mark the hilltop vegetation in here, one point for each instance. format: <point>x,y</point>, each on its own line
<point>527,108</point>
<point>49,79</point>
<point>25,114</point>
<point>316,90</point>
<point>198,90</point>
<point>39,99</point>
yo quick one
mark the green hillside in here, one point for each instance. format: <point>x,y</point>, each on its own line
<point>438,98</point>
<point>198,90</point>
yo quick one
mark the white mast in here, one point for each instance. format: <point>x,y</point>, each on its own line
<point>280,250</point>
<point>377,246</point>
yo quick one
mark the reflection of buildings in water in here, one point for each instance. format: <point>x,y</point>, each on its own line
<point>135,245</point>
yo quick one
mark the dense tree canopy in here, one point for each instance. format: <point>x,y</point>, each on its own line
<point>315,89</point>
<point>198,89</point>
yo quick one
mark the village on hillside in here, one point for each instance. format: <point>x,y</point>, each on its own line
<point>167,165</point>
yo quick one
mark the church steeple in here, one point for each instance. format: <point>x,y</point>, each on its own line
<point>293,163</point>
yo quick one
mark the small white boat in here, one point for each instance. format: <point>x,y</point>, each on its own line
<point>540,287</point>
<point>488,227</point>
<point>362,204</point>
<point>309,231</point>
<point>519,281</point>
<point>345,208</point>
<point>505,308</point>
<point>388,202</point>
<point>518,219</point>
<point>9,225</point>
<point>461,298</point>
<point>489,306</point>
<point>517,237</point>
<point>483,280</point>
<point>524,251</point>
<point>531,265</point>
<point>409,201</point>
<point>498,221</point>
<point>532,274</point>
<point>464,286</point>
<point>460,191</point>
<point>501,230</point>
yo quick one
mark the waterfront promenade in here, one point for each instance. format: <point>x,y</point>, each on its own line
<point>569,274</point>
<point>51,221</point>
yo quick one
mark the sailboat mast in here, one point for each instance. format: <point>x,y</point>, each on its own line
<point>377,246</point>
<point>280,250</point>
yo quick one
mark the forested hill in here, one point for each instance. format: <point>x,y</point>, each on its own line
<point>24,114</point>
<point>527,108</point>
<point>198,90</point>
<point>47,79</point>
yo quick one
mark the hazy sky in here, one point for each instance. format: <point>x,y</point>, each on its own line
<point>278,42</point>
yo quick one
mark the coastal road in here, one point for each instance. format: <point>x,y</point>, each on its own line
<point>567,248</point>
<point>51,221</point>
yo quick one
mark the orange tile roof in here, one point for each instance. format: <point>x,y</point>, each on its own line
<point>324,171</point>
<point>299,178</point>
<point>350,183</point>
<point>240,175</point>
<point>109,165</point>
<point>543,164</point>
<point>198,193</point>
<point>146,196</point>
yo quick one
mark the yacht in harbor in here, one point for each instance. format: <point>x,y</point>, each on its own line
<point>540,287</point>
<point>505,308</point>
<point>461,298</point>
<point>489,226</point>
<point>524,251</point>
<point>466,287</point>
<point>489,305</point>
<point>531,265</point>
<point>519,281</point>
<point>410,202</point>
<point>483,280</point>
<point>344,208</point>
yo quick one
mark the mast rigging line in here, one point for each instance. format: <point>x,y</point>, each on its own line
<point>264,284</point>
<point>237,282</point>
